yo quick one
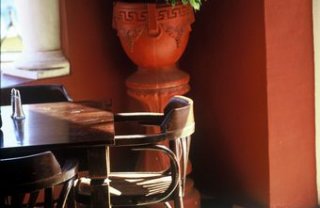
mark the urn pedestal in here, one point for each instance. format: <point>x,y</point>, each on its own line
<point>154,36</point>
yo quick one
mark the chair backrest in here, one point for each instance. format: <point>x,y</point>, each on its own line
<point>22,179</point>
<point>179,117</point>
<point>36,94</point>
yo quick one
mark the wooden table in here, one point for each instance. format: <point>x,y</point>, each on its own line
<point>61,127</point>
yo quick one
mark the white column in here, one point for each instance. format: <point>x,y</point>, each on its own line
<point>316,35</point>
<point>39,24</point>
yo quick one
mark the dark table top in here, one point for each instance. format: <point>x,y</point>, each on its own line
<point>51,126</point>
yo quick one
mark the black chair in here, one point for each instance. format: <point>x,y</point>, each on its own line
<point>36,94</point>
<point>24,178</point>
<point>146,188</point>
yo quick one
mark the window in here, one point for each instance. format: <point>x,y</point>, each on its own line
<point>11,42</point>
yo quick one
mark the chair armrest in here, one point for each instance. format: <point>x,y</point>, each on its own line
<point>69,174</point>
<point>138,139</point>
<point>146,118</point>
<point>70,169</point>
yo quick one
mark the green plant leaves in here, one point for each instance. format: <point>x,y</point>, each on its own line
<point>194,3</point>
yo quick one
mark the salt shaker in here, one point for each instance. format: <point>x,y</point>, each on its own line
<point>17,110</point>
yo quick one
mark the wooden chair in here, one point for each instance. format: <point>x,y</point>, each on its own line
<point>139,188</point>
<point>36,94</point>
<point>23,178</point>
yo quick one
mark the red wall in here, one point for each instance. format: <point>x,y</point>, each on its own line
<point>291,113</point>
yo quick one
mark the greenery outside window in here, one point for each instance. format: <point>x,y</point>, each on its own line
<point>11,42</point>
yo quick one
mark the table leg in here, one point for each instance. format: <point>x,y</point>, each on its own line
<point>99,170</point>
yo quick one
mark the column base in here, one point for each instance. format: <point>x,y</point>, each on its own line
<point>192,198</point>
<point>39,65</point>
<point>41,60</point>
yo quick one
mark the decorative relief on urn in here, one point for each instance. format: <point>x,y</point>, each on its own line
<point>131,22</point>
<point>130,36</point>
<point>153,35</point>
<point>139,13</point>
<point>176,32</point>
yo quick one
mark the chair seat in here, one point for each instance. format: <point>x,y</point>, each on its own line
<point>134,188</point>
<point>130,184</point>
<point>127,187</point>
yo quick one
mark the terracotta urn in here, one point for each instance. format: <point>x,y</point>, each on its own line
<point>153,35</point>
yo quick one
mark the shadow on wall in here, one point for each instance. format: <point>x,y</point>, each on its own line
<point>226,60</point>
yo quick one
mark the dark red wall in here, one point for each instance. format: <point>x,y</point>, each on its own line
<point>227,62</point>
